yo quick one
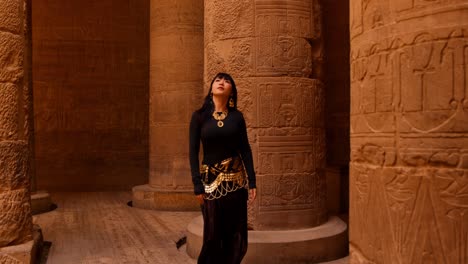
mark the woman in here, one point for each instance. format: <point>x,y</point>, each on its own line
<point>221,184</point>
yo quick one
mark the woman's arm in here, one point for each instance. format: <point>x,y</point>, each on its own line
<point>246,153</point>
<point>194,150</point>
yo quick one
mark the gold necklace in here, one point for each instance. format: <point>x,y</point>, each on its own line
<point>220,116</point>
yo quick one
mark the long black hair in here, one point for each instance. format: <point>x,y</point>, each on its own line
<point>208,105</point>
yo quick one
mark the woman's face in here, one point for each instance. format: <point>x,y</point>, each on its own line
<point>221,87</point>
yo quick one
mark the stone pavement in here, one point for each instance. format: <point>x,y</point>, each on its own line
<point>99,227</point>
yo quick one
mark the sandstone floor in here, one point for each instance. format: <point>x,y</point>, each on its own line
<point>99,227</point>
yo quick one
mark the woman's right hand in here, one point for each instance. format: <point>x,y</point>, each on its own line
<point>200,199</point>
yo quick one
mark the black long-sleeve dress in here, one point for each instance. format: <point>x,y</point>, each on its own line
<point>225,218</point>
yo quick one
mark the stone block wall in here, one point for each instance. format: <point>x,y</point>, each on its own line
<point>90,79</point>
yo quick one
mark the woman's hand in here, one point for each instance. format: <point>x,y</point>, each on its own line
<point>252,195</point>
<point>200,199</point>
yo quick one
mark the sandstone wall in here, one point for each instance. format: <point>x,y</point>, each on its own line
<point>15,114</point>
<point>90,65</point>
<point>409,130</point>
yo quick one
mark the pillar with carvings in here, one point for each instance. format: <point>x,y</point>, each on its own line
<point>273,50</point>
<point>16,229</point>
<point>409,131</point>
<point>268,47</point>
<point>176,87</point>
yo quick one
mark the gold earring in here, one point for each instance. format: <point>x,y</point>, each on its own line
<point>231,102</point>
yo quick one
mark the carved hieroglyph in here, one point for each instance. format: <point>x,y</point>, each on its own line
<point>176,87</point>
<point>269,47</point>
<point>409,131</point>
<point>15,212</point>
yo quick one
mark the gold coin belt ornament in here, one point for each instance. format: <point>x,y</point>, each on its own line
<point>220,116</point>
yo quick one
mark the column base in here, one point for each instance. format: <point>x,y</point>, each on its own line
<point>26,253</point>
<point>41,202</point>
<point>344,260</point>
<point>147,197</point>
<point>326,242</point>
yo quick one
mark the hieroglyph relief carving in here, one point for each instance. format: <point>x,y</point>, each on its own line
<point>284,33</point>
<point>409,146</point>
<point>412,84</point>
<point>268,47</point>
<point>5,259</point>
<point>291,144</point>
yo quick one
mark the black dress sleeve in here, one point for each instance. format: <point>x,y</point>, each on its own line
<point>194,150</point>
<point>246,154</point>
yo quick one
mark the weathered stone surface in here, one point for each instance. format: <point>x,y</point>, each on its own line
<point>11,17</point>
<point>409,132</point>
<point>272,50</point>
<point>9,110</point>
<point>24,253</point>
<point>176,88</point>
<point>147,197</point>
<point>90,64</point>
<point>15,212</point>
<point>41,202</point>
<point>99,227</point>
<point>13,165</point>
<point>15,217</point>
<point>11,57</point>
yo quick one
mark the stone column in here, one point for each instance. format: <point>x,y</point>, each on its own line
<point>16,229</point>
<point>176,87</point>
<point>273,51</point>
<point>409,131</point>
<point>269,48</point>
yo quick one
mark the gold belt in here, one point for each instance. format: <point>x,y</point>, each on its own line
<point>230,176</point>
